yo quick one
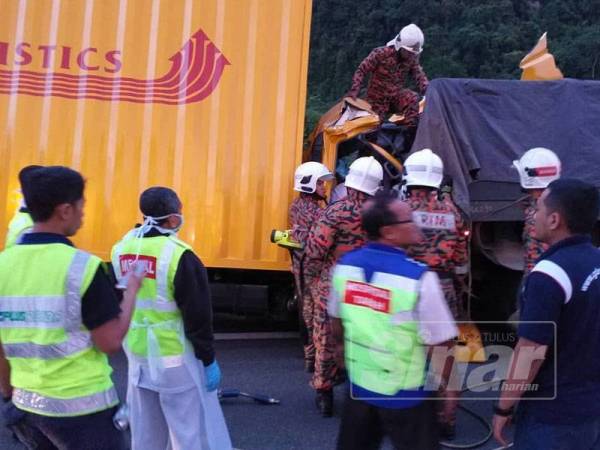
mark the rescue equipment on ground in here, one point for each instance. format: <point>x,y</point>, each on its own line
<point>258,398</point>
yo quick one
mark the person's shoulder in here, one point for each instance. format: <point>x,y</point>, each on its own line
<point>295,202</point>
<point>416,266</point>
<point>355,256</point>
<point>405,266</point>
<point>584,252</point>
<point>182,248</point>
<point>396,263</point>
<point>333,209</point>
<point>383,51</point>
<point>190,260</point>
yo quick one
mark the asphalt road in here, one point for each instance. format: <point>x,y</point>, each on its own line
<point>274,367</point>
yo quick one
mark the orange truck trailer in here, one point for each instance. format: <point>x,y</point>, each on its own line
<point>204,97</point>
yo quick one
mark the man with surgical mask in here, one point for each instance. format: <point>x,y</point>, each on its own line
<point>173,373</point>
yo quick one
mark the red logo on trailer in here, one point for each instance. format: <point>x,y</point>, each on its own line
<point>193,75</point>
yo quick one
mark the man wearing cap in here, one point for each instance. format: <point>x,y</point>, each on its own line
<point>337,231</point>
<point>388,67</point>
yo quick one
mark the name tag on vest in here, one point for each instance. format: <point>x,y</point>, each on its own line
<point>436,221</point>
<point>362,294</point>
<point>147,262</point>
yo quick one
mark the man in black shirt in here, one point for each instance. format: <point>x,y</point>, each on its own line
<point>58,315</point>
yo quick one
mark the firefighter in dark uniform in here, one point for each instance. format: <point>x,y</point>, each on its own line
<point>444,248</point>
<point>337,231</point>
<point>309,180</point>
<point>388,67</point>
<point>538,167</point>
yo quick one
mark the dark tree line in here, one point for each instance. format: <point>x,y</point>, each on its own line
<point>463,38</point>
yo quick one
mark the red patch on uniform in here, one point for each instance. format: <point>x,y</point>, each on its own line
<point>365,295</point>
<point>147,262</point>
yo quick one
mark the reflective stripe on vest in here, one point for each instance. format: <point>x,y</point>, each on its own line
<point>162,271</point>
<point>56,369</point>
<point>32,401</point>
<point>156,305</point>
<point>52,316</point>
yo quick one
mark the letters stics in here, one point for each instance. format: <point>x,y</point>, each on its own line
<point>44,56</point>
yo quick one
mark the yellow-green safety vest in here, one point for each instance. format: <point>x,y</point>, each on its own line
<point>382,347</point>
<point>20,223</point>
<point>156,314</point>
<point>55,368</point>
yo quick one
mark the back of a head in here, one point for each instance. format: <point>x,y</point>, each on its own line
<point>159,201</point>
<point>376,213</point>
<point>576,201</point>
<point>25,172</point>
<point>48,187</point>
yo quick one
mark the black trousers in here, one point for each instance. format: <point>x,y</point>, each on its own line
<point>364,426</point>
<point>90,432</point>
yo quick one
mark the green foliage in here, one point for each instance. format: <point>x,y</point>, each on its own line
<point>463,38</point>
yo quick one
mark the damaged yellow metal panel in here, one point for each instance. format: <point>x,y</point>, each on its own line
<point>539,63</point>
<point>205,97</point>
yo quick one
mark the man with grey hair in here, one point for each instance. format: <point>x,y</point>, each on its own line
<point>173,373</point>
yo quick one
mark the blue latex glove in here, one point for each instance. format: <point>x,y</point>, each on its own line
<point>213,376</point>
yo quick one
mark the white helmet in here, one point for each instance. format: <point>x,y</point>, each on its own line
<point>538,168</point>
<point>410,38</point>
<point>424,168</point>
<point>307,175</point>
<point>365,175</point>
